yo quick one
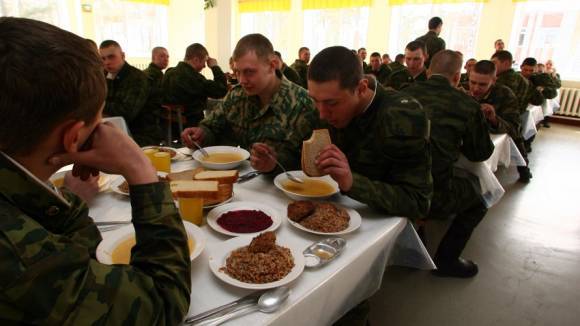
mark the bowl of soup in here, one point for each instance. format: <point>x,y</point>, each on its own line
<point>116,246</point>
<point>221,157</point>
<point>312,188</point>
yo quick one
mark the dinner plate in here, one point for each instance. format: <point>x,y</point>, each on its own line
<point>244,154</point>
<point>116,183</point>
<point>104,179</point>
<point>353,224</point>
<point>215,213</point>
<point>107,246</point>
<point>221,251</point>
<point>280,178</point>
<point>175,154</point>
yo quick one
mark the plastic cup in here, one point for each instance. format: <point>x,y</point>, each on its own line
<point>149,153</point>
<point>162,161</point>
<point>191,209</point>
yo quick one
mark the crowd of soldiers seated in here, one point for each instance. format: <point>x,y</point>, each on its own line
<point>397,129</point>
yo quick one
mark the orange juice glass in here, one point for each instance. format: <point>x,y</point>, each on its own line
<point>149,153</point>
<point>191,209</point>
<point>162,161</point>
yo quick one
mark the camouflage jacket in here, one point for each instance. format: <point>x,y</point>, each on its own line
<point>283,124</point>
<point>382,75</point>
<point>401,79</point>
<point>522,89</point>
<point>434,44</point>
<point>155,75</point>
<point>183,85</point>
<point>388,152</point>
<point>547,82</point>
<point>301,68</point>
<point>556,80</point>
<point>49,274</point>
<point>291,75</point>
<point>464,81</point>
<point>131,96</point>
<point>395,66</point>
<point>457,127</point>
<point>506,110</point>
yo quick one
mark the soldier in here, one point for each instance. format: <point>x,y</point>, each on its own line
<point>500,107</point>
<point>464,82</point>
<point>379,70</point>
<point>380,152</point>
<point>288,72</point>
<point>432,40</point>
<point>301,65</point>
<point>415,55</point>
<point>362,53</point>
<point>159,61</point>
<point>185,84</point>
<point>231,76</point>
<point>265,113</point>
<point>542,82</point>
<point>386,59</point>
<point>552,72</point>
<point>398,64</point>
<point>131,95</point>
<point>457,127</point>
<point>49,273</point>
<point>499,45</point>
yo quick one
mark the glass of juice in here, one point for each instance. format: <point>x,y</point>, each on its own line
<point>162,161</point>
<point>149,153</point>
<point>191,209</point>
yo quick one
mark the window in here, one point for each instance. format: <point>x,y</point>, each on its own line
<point>138,27</point>
<point>328,27</point>
<point>54,12</point>
<point>460,25</point>
<point>548,30</point>
<point>273,25</point>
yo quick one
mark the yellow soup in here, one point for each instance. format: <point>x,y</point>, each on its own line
<point>222,157</point>
<point>58,182</point>
<point>122,254</point>
<point>310,187</point>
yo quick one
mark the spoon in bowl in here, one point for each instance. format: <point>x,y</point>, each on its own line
<point>203,151</point>
<point>288,175</point>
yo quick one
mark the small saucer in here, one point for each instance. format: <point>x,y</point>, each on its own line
<point>322,252</point>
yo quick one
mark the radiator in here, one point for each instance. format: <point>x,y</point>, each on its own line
<point>569,102</point>
<point>141,66</point>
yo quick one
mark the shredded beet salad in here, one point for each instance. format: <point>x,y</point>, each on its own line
<point>245,221</point>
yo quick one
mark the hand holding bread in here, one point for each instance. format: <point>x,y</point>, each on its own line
<point>332,161</point>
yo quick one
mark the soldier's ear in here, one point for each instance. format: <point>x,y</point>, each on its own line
<point>72,135</point>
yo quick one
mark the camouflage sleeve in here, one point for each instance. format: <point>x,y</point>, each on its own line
<point>408,191</point>
<point>215,122</point>
<point>508,115</point>
<point>293,76</point>
<point>58,282</point>
<point>535,97</point>
<point>132,100</point>
<point>477,145</point>
<point>302,71</point>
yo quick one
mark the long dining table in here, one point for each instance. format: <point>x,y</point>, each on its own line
<point>319,296</point>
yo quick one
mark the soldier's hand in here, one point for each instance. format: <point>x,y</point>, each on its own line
<point>190,135</point>
<point>110,150</point>
<point>489,113</point>
<point>85,189</point>
<point>211,62</point>
<point>331,160</point>
<point>262,157</point>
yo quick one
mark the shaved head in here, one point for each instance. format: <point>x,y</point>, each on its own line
<point>446,63</point>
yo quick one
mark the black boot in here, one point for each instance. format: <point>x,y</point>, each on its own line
<point>546,122</point>
<point>448,260</point>
<point>525,174</point>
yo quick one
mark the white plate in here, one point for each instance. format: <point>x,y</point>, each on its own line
<point>215,213</point>
<point>178,156</point>
<point>118,180</point>
<point>198,156</point>
<point>104,179</point>
<point>107,246</point>
<point>353,224</point>
<point>221,251</point>
<point>280,178</point>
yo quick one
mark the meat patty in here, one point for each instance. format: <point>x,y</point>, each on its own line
<point>298,210</point>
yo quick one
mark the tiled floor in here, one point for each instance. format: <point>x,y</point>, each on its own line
<point>527,248</point>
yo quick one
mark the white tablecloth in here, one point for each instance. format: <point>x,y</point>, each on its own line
<point>506,154</point>
<point>318,296</point>
<point>533,115</point>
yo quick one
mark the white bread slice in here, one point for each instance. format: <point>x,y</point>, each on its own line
<point>183,175</point>
<point>224,176</point>
<point>194,189</point>
<point>310,148</point>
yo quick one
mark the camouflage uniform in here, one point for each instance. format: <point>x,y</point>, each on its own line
<point>521,88</point>
<point>382,75</point>
<point>388,152</point>
<point>457,127</point>
<point>395,66</point>
<point>49,274</point>
<point>556,80</point>
<point>183,85</point>
<point>301,68</point>
<point>283,124</point>
<point>291,75</point>
<point>401,79</point>
<point>550,88</point>
<point>434,44</point>
<point>132,96</point>
<point>464,81</point>
<point>155,74</point>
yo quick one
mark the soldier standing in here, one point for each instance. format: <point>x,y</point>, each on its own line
<point>432,40</point>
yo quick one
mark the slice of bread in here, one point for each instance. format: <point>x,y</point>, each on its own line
<point>225,176</point>
<point>183,175</point>
<point>225,191</point>
<point>310,148</point>
<point>195,189</point>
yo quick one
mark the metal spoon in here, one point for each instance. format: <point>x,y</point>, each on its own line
<point>203,151</point>
<point>288,175</point>
<point>268,302</point>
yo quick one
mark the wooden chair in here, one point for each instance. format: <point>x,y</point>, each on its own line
<point>172,113</point>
